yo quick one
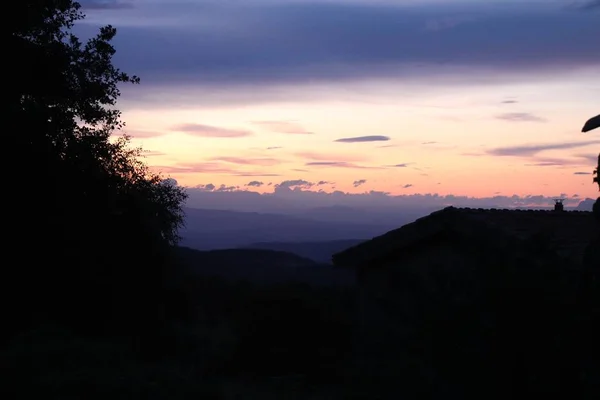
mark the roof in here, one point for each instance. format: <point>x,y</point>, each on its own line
<point>569,232</point>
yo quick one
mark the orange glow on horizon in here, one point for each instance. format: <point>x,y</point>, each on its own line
<point>468,143</point>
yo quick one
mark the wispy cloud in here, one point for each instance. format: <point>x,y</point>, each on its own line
<point>287,127</point>
<point>591,158</point>
<point>266,162</point>
<point>587,5</point>
<point>528,150</point>
<point>547,164</point>
<point>139,134</point>
<point>520,117</point>
<point>360,139</point>
<point>210,131</point>
<point>449,22</point>
<point>210,167</point>
<point>105,4</point>
<point>509,101</point>
<point>309,155</point>
<point>153,153</point>
<point>191,168</point>
<point>338,164</point>
<point>582,173</point>
<point>255,174</point>
<point>408,185</point>
<point>555,162</point>
<point>359,182</point>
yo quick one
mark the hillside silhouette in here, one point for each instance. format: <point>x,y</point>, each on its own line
<point>321,252</point>
<point>262,267</point>
<point>101,299</point>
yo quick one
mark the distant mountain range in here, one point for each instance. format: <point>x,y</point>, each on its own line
<point>222,229</point>
<point>586,205</point>
<point>315,234</point>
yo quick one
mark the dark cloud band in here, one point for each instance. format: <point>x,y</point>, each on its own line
<point>299,43</point>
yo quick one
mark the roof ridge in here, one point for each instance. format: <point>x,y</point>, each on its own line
<point>519,210</point>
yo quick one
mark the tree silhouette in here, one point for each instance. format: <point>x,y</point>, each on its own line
<point>592,124</point>
<point>89,226</point>
<point>597,173</point>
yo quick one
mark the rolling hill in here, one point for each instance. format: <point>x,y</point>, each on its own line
<point>320,252</point>
<point>263,267</point>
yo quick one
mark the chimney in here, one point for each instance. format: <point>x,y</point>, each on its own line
<point>558,205</point>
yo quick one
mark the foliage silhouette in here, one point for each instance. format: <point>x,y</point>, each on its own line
<point>597,173</point>
<point>591,124</point>
<point>101,222</point>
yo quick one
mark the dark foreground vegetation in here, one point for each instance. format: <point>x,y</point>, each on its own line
<point>98,302</point>
<point>500,332</point>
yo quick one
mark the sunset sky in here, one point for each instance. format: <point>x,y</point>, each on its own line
<point>474,98</point>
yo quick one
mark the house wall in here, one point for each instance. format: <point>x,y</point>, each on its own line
<point>392,297</point>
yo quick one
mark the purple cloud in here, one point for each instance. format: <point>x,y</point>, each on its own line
<point>255,184</point>
<point>520,117</point>
<point>299,194</point>
<point>528,150</point>
<point>208,187</point>
<point>359,182</point>
<point>265,162</point>
<point>171,47</point>
<point>294,184</point>
<point>588,5</point>
<point>288,127</point>
<point>547,164</point>
<point>361,139</point>
<point>210,131</point>
<point>255,174</point>
<point>195,168</point>
<point>141,134</point>
<point>105,4</point>
<point>330,156</point>
<point>153,153</point>
<point>338,164</point>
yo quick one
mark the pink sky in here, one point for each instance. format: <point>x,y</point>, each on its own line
<point>468,97</point>
<point>462,139</point>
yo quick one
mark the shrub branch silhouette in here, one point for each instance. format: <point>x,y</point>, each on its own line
<point>591,124</point>
<point>91,227</point>
<point>597,173</point>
